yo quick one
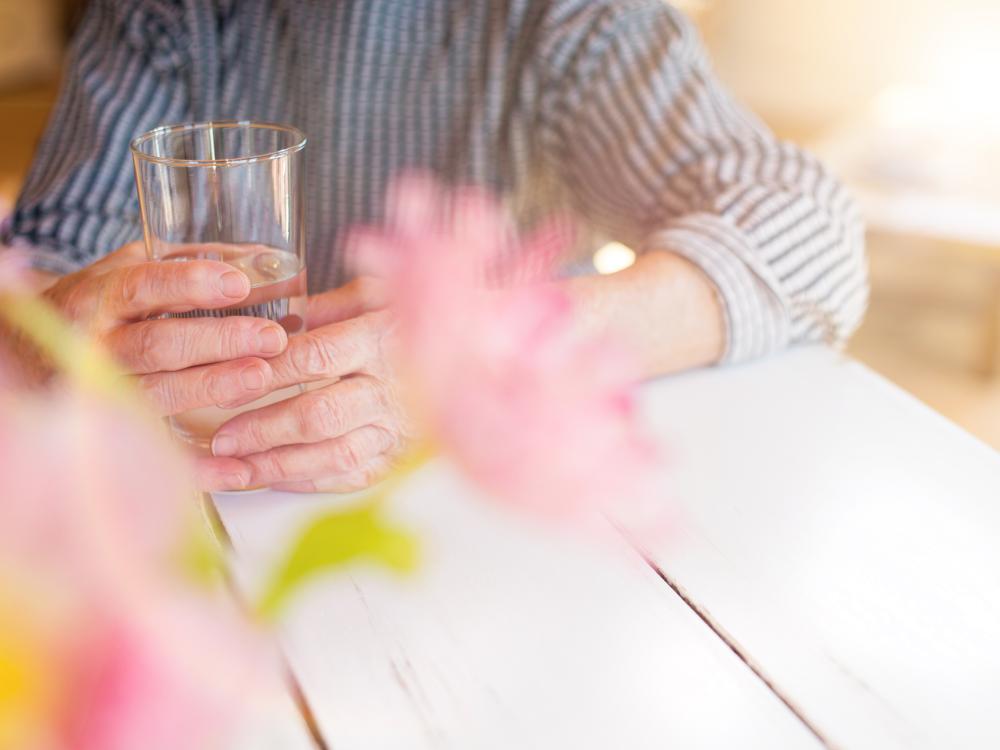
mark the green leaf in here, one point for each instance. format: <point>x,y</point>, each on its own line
<point>334,540</point>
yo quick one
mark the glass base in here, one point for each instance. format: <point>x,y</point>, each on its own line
<point>196,428</point>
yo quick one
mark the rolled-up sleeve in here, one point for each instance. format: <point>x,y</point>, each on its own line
<point>125,73</point>
<point>658,154</point>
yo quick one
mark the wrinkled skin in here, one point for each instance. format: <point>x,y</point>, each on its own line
<point>178,363</point>
<point>344,431</point>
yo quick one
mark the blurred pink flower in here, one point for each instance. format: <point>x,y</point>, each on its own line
<point>177,677</point>
<point>531,409</point>
<point>90,490</point>
<point>115,645</point>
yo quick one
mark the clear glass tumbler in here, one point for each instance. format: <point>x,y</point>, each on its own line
<point>228,191</point>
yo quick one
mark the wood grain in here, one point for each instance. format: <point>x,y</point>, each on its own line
<point>847,538</point>
<point>512,635</point>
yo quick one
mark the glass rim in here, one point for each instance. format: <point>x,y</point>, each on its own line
<point>136,144</point>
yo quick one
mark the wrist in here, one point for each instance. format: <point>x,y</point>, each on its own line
<point>663,307</point>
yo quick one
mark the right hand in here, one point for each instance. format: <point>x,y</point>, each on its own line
<point>179,363</point>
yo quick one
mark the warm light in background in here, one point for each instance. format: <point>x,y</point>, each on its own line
<point>613,257</point>
<point>951,85</point>
<point>924,152</point>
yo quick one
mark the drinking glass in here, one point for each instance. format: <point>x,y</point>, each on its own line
<point>232,192</point>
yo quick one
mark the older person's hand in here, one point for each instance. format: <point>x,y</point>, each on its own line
<point>179,363</point>
<point>342,433</point>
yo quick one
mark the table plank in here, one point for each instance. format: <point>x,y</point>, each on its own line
<point>847,538</point>
<point>511,635</point>
<point>276,724</point>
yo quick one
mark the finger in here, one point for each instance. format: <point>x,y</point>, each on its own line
<point>363,294</point>
<point>310,417</point>
<point>347,454</point>
<point>177,343</point>
<point>222,474</point>
<point>335,350</point>
<point>354,481</point>
<point>145,288</point>
<point>227,384</point>
<point>128,254</point>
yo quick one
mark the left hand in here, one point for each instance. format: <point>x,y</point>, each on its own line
<point>339,436</point>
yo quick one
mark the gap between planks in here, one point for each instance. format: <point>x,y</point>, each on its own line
<point>295,691</point>
<point>732,643</point>
<point>308,717</point>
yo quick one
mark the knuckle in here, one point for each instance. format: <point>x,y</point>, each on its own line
<point>371,473</point>
<point>157,391</point>
<point>215,385</point>
<point>383,399</point>
<point>360,342</point>
<point>380,332</point>
<point>226,338</point>
<point>150,350</point>
<point>251,436</point>
<point>132,285</point>
<point>197,345</point>
<point>235,336</point>
<point>75,301</point>
<point>347,455</point>
<point>389,415</point>
<point>363,477</point>
<point>311,355</point>
<point>268,466</point>
<point>225,384</point>
<point>385,440</point>
<point>323,415</point>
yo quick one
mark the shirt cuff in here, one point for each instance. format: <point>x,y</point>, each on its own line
<point>756,314</point>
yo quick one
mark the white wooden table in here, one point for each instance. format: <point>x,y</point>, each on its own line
<point>833,579</point>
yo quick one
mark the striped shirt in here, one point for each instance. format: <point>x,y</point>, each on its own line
<point>624,114</point>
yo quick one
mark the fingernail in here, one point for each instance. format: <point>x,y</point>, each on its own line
<point>252,378</point>
<point>234,285</point>
<point>271,340</point>
<point>224,445</point>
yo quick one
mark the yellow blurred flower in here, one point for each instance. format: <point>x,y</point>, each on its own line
<point>27,689</point>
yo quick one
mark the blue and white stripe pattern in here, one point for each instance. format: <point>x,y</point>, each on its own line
<point>624,109</point>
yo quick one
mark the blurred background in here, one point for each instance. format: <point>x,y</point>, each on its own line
<point>899,97</point>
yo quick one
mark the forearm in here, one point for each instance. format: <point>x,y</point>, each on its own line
<point>658,155</point>
<point>663,307</point>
